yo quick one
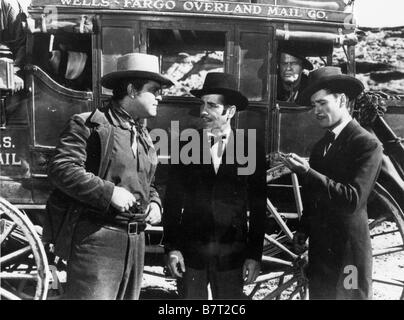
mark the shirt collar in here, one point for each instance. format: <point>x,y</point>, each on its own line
<point>121,118</point>
<point>225,134</point>
<point>338,129</point>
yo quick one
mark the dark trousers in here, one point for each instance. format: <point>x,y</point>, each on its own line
<point>104,264</point>
<point>223,284</point>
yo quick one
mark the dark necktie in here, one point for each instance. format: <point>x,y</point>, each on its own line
<point>213,139</point>
<point>328,140</point>
<point>217,149</point>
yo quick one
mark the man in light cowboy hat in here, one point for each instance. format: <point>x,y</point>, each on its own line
<point>337,182</point>
<point>292,80</point>
<point>105,164</point>
<point>207,239</point>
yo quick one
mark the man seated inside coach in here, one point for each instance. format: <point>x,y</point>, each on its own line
<point>291,80</point>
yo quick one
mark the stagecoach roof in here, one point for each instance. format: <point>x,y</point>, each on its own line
<point>338,11</point>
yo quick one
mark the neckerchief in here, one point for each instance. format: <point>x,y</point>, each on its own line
<point>139,133</point>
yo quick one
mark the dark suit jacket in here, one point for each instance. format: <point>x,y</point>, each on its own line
<point>205,214</point>
<point>336,190</point>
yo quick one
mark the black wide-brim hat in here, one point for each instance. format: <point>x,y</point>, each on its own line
<point>135,66</point>
<point>306,64</point>
<point>330,78</point>
<point>225,84</point>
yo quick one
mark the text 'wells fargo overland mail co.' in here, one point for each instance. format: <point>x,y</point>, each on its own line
<point>212,7</point>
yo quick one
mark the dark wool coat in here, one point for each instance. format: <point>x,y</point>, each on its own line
<point>205,214</point>
<point>336,190</point>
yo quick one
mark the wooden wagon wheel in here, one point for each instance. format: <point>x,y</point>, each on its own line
<point>387,234</point>
<point>24,271</point>
<point>283,270</point>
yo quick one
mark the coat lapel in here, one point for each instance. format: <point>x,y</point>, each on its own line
<point>206,168</point>
<point>225,166</point>
<point>339,143</point>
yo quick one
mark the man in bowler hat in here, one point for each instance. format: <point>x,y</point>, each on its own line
<point>104,164</point>
<point>207,238</point>
<point>337,182</point>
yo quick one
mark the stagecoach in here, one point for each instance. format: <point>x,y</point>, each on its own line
<point>70,44</point>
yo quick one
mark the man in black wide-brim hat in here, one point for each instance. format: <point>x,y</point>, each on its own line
<point>207,238</point>
<point>337,182</point>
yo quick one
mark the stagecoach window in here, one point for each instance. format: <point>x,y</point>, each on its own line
<point>187,55</point>
<point>115,43</point>
<point>253,65</point>
<point>65,57</point>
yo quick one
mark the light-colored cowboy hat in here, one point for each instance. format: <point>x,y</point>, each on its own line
<point>225,84</point>
<point>330,78</point>
<point>138,66</point>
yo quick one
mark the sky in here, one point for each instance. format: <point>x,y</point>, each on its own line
<point>379,13</point>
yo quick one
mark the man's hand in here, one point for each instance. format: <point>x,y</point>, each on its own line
<point>153,213</point>
<point>176,263</point>
<point>295,163</point>
<point>122,199</point>
<point>299,242</point>
<point>251,270</point>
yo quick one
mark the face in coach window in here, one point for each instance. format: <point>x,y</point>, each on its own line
<point>290,68</point>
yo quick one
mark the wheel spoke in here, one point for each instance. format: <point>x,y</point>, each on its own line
<point>279,220</point>
<point>272,276</point>
<point>376,222</point>
<point>14,255</point>
<point>8,295</point>
<point>277,261</point>
<point>281,288</point>
<point>281,246</point>
<point>10,228</point>
<point>387,234</point>
<point>384,233</point>
<point>391,282</point>
<point>297,290</point>
<point>18,276</point>
<point>380,252</point>
<point>254,290</point>
<point>25,256</point>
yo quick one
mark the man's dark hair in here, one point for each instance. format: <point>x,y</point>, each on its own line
<point>120,90</point>
<point>335,91</point>
<point>227,104</point>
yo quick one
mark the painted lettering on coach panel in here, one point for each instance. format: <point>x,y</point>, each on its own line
<point>205,7</point>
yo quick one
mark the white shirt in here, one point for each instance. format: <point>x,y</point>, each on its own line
<point>337,130</point>
<point>217,149</point>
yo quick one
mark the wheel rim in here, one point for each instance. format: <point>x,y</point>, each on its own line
<point>387,234</point>
<point>24,271</point>
<point>283,274</point>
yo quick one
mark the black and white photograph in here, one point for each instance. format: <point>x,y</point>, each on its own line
<point>201,155</point>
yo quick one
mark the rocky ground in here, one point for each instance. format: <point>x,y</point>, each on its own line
<point>379,59</point>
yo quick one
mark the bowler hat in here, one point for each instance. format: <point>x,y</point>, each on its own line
<point>330,78</point>
<point>225,84</point>
<point>138,66</point>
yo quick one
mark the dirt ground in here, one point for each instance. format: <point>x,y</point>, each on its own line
<point>388,267</point>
